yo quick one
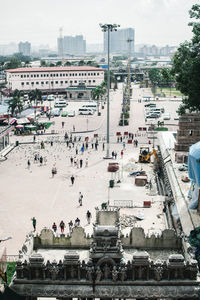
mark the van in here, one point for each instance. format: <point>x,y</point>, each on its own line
<point>85,111</point>
<point>60,103</point>
<point>92,106</point>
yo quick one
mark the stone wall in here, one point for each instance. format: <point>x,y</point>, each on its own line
<point>136,239</point>
<point>107,217</point>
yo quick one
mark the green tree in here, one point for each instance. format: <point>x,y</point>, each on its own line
<point>68,63</point>
<point>36,96</point>
<point>13,63</point>
<point>43,63</point>
<point>15,106</point>
<point>186,66</point>
<point>59,63</point>
<point>81,63</point>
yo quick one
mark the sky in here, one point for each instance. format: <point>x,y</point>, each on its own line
<point>158,22</point>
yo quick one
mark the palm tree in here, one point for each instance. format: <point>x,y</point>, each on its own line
<point>15,106</point>
<point>36,96</point>
<point>98,93</point>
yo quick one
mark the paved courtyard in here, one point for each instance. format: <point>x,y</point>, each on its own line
<point>27,193</point>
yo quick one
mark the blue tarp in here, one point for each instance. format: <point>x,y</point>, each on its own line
<point>194,163</point>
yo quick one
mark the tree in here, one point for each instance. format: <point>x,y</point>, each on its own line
<point>35,95</point>
<point>43,63</point>
<point>68,63</point>
<point>186,66</point>
<point>13,63</point>
<point>15,105</point>
<point>81,63</point>
<point>59,63</point>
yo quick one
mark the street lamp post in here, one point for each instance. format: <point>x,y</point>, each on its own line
<point>109,28</point>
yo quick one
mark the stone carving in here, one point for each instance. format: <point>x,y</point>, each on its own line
<point>158,270</point>
<point>54,270</point>
<point>114,273</point>
<point>98,274</point>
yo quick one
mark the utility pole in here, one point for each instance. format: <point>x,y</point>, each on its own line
<point>108,28</point>
<point>129,66</point>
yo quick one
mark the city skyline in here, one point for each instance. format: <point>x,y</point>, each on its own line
<point>155,22</point>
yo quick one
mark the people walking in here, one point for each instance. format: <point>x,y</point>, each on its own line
<point>77,222</point>
<point>41,160</point>
<point>71,160</point>
<point>115,155</point>
<point>81,163</point>
<point>72,179</point>
<point>53,171</point>
<point>62,226</point>
<point>54,227</point>
<point>34,223</point>
<point>28,164</point>
<point>122,153</point>
<point>70,226</point>
<point>88,216</point>
<point>80,200</point>
<point>86,162</point>
<point>103,146</point>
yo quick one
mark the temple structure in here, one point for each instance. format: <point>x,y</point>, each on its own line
<point>106,265</point>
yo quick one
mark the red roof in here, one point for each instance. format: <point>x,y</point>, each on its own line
<point>53,69</point>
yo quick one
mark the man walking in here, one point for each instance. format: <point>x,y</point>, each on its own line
<point>88,216</point>
<point>80,200</point>
<point>34,223</point>
<point>72,179</point>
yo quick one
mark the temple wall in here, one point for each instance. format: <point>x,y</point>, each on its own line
<point>136,239</point>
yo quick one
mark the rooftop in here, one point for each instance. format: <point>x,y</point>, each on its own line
<point>53,69</point>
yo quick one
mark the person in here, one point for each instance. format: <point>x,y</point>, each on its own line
<point>71,159</point>
<point>35,158</point>
<point>122,153</point>
<point>54,171</point>
<point>76,151</point>
<point>63,124</point>
<point>136,143</point>
<point>51,143</point>
<point>113,154</point>
<point>77,222</point>
<point>72,179</point>
<point>80,200</point>
<point>88,216</point>
<point>124,145</point>
<point>86,162</point>
<point>34,223</point>
<point>34,138</point>
<point>54,227</point>
<point>70,226</point>
<point>81,163</point>
<point>41,160</point>
<point>45,160</point>
<point>73,128</point>
<point>62,226</point>
<point>28,164</point>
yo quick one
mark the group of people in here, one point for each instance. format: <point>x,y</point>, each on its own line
<point>62,225</point>
<point>78,162</point>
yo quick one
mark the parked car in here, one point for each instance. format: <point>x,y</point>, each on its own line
<point>71,113</point>
<point>64,114</point>
<point>150,105</point>
<point>152,116</point>
<point>176,117</point>
<point>44,97</point>
<point>50,98</point>
<point>166,117</point>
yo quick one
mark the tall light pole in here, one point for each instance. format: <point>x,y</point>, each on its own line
<point>109,28</point>
<point>129,66</point>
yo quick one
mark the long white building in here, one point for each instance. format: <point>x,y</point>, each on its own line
<point>53,79</point>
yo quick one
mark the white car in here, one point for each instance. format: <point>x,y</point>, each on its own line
<point>176,117</point>
<point>166,117</point>
<point>71,113</point>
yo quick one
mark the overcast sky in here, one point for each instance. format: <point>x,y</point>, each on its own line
<point>157,22</point>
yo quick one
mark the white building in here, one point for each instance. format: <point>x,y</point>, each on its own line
<point>53,79</point>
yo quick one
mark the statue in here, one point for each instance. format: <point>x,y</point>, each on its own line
<point>98,274</point>
<point>114,273</point>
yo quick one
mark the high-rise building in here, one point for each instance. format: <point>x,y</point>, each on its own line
<point>119,41</point>
<point>71,45</point>
<point>25,48</point>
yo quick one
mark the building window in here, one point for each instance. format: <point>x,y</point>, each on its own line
<point>37,82</point>
<point>51,75</point>
<point>44,75</point>
<point>24,76</point>
<point>66,81</point>
<point>47,75</point>
<point>22,83</point>
<point>93,80</point>
<point>41,75</point>
<point>56,82</point>
<point>94,74</point>
<point>52,82</point>
<point>75,81</point>
<point>75,74</point>
<point>60,75</point>
<point>57,75</point>
<point>71,81</point>
<point>85,74</point>
<point>89,81</point>
<point>47,82</point>
<point>32,83</point>
<point>42,82</point>
<point>61,82</point>
<point>27,76</point>
<point>27,83</point>
<point>31,75</point>
<point>97,74</point>
<point>70,74</point>
<point>64,74</point>
<point>37,75</point>
<point>79,74</point>
<point>34,75</point>
<point>21,76</point>
<point>88,74</point>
